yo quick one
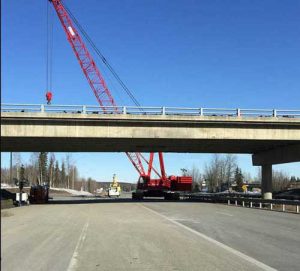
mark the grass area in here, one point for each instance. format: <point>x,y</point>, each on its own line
<point>6,203</point>
<point>6,213</point>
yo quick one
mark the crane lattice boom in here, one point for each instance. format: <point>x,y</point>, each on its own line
<point>95,79</point>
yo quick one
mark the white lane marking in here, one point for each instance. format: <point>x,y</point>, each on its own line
<point>221,213</point>
<point>215,242</point>
<point>74,260</point>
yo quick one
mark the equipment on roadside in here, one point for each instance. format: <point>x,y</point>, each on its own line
<point>23,200</point>
<point>114,189</point>
<point>21,197</point>
<point>39,194</point>
<point>167,186</point>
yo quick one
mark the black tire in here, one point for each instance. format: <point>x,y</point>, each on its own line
<point>168,196</point>
<point>172,196</point>
<point>176,196</point>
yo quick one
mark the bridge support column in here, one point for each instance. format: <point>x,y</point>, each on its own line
<point>266,181</point>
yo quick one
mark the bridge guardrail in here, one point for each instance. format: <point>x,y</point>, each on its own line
<point>249,201</point>
<point>147,110</point>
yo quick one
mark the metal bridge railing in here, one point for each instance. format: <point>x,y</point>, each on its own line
<point>246,200</point>
<point>146,110</point>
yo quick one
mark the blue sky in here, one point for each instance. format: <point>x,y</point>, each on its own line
<point>209,53</point>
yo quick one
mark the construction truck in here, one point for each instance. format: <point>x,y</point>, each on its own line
<point>114,189</point>
<point>39,194</point>
<point>169,187</point>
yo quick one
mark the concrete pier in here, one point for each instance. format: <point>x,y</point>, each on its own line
<point>266,181</point>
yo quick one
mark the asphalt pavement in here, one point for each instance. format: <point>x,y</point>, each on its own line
<point>125,235</point>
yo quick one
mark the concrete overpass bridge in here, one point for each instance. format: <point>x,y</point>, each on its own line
<point>271,136</point>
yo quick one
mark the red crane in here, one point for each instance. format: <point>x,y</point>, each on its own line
<point>163,186</point>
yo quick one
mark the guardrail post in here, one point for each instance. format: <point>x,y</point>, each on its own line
<point>250,204</point>
<point>42,108</point>
<point>201,111</point>
<point>238,112</point>
<point>84,109</point>
<point>163,111</point>
<point>124,110</point>
<point>274,113</point>
<point>283,207</point>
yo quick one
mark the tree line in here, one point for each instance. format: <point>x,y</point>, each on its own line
<point>223,171</point>
<point>220,173</point>
<point>44,168</point>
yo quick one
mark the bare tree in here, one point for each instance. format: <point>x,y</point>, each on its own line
<point>68,168</point>
<point>184,172</point>
<point>63,175</point>
<point>17,160</point>
<point>212,173</point>
<point>220,171</point>
<point>32,170</point>
<point>56,175</point>
<point>247,177</point>
<point>280,180</point>
<point>74,176</point>
<point>5,175</point>
<point>196,176</point>
<point>51,169</point>
<point>230,164</point>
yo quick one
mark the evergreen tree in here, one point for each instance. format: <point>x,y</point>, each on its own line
<point>89,185</point>
<point>43,161</point>
<point>238,178</point>
<point>293,179</point>
<point>22,173</point>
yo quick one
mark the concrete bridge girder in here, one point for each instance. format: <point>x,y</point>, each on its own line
<point>271,140</point>
<point>146,133</point>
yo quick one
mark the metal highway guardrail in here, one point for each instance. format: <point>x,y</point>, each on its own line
<point>247,201</point>
<point>145,110</point>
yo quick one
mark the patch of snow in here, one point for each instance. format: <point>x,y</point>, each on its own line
<point>73,192</point>
<point>5,185</point>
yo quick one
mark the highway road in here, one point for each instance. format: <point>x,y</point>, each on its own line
<point>125,235</point>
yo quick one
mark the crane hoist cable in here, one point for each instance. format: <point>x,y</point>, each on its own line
<point>49,48</point>
<point>96,80</point>
<point>104,60</point>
